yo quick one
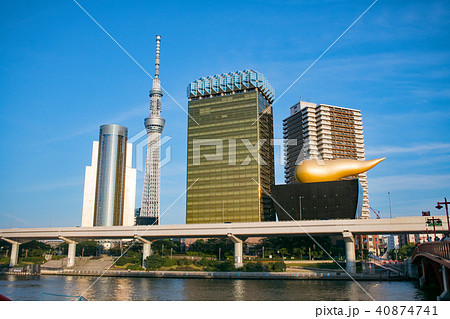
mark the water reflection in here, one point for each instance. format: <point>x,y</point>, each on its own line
<point>115,288</point>
<point>355,292</point>
<point>239,290</point>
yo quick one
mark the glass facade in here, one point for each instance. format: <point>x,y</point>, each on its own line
<point>224,157</point>
<point>110,185</point>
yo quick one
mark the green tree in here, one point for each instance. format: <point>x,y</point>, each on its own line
<point>154,262</point>
<point>131,257</point>
<point>134,267</point>
<point>291,246</point>
<point>268,267</point>
<point>198,246</point>
<point>115,251</point>
<point>33,249</point>
<point>163,247</point>
<point>284,252</point>
<point>406,251</point>
<point>135,246</point>
<point>392,254</point>
<point>299,251</point>
<point>226,266</point>
<point>279,266</point>
<point>212,247</point>
<point>364,254</point>
<point>87,248</point>
<point>183,262</point>
<point>254,267</point>
<point>169,262</point>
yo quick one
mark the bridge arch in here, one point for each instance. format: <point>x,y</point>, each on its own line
<point>433,261</point>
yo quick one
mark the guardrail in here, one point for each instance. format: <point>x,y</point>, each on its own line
<point>436,248</point>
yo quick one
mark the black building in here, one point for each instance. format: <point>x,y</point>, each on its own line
<point>326,200</point>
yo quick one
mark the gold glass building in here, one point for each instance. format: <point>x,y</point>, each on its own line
<point>230,154</point>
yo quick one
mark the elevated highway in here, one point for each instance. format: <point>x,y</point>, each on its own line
<point>399,225</point>
<point>237,232</point>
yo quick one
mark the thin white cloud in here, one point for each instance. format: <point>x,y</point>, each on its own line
<point>408,182</point>
<point>387,150</point>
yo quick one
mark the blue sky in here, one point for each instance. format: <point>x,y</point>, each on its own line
<point>62,77</point>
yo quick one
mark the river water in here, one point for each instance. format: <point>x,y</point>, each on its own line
<point>19,287</point>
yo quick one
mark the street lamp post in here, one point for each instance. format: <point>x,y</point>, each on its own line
<point>439,206</point>
<point>433,220</point>
<point>390,211</point>
<point>300,204</point>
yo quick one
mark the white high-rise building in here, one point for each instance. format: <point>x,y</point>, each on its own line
<point>324,132</point>
<point>154,125</point>
<point>393,242</point>
<point>110,181</point>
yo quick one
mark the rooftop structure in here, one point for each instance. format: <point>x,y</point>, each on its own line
<point>230,83</point>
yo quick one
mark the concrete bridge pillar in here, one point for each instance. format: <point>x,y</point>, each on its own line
<point>146,249</point>
<point>423,278</point>
<point>349,252</point>
<point>71,252</point>
<point>238,256</point>
<point>14,251</point>
<point>445,295</point>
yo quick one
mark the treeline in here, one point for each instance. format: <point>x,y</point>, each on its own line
<point>34,252</point>
<point>216,251</point>
<point>403,253</point>
<point>299,248</point>
<point>156,262</point>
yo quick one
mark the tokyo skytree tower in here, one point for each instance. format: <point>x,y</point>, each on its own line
<point>154,125</point>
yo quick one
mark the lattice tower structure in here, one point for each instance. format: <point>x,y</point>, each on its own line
<point>154,125</point>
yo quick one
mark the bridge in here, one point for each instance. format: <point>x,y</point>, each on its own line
<point>433,261</point>
<point>237,232</point>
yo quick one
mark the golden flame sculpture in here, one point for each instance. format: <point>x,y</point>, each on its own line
<point>312,170</point>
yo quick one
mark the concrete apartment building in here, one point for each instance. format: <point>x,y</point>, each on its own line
<point>324,132</point>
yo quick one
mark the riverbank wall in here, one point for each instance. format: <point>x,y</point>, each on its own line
<point>310,275</point>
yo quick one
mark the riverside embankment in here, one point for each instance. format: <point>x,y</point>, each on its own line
<point>304,270</point>
<point>289,275</point>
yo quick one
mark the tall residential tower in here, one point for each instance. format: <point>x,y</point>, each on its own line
<point>230,164</point>
<point>154,125</point>
<point>324,132</point>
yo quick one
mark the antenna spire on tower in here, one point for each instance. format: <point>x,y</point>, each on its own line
<point>158,41</point>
